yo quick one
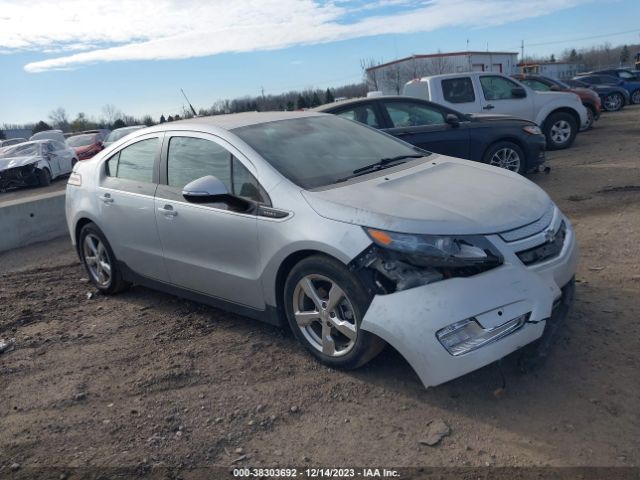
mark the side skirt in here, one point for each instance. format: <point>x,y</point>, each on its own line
<point>270,315</point>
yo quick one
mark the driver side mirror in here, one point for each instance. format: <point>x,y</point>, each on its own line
<point>452,120</point>
<point>518,92</point>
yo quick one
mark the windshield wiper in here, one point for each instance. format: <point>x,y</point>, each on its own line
<point>380,164</point>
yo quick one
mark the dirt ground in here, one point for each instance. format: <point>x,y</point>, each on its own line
<point>146,380</point>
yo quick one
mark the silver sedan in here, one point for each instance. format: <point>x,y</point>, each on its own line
<point>352,238</point>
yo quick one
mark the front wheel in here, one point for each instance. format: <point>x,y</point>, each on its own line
<point>506,155</point>
<point>560,129</point>
<point>99,260</point>
<point>613,102</point>
<point>325,304</point>
<point>44,177</point>
<point>635,97</point>
<point>591,118</point>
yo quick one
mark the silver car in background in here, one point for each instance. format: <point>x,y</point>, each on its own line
<point>351,237</point>
<point>34,163</point>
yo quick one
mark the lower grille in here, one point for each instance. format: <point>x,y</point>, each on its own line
<point>547,250</point>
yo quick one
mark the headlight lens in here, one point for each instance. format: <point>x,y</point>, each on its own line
<point>438,251</point>
<point>532,130</point>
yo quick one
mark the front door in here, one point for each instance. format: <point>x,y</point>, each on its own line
<point>425,126</point>
<point>210,248</point>
<point>499,98</point>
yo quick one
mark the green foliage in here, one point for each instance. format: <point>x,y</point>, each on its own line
<point>2,135</point>
<point>328,97</point>
<point>301,102</point>
<point>162,119</point>
<point>40,127</point>
<point>118,124</point>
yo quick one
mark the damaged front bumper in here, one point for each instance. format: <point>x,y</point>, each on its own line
<point>495,312</point>
<point>23,176</point>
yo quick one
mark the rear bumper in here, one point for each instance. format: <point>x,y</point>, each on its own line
<point>410,320</point>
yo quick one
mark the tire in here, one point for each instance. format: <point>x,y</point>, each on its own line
<point>560,129</point>
<point>346,346</point>
<point>95,253</point>
<point>44,177</point>
<point>591,117</point>
<point>613,102</point>
<point>635,97</point>
<point>73,162</point>
<point>507,155</point>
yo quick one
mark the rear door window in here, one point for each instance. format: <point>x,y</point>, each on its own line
<point>458,90</point>
<point>536,85</point>
<point>134,162</point>
<point>363,114</point>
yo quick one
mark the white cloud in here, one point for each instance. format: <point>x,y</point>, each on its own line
<point>108,30</point>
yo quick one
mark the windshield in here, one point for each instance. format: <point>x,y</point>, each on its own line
<point>318,151</point>
<point>21,150</point>
<point>560,83</point>
<point>81,140</point>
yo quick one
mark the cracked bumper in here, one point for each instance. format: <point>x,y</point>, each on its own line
<point>408,320</point>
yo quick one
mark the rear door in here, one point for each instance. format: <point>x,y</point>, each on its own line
<point>127,185</point>
<point>210,248</point>
<point>460,93</point>
<point>498,97</point>
<point>424,125</point>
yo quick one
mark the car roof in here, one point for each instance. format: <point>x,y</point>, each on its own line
<point>232,121</point>
<point>356,101</point>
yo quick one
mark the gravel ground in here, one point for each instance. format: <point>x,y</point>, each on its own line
<point>145,380</point>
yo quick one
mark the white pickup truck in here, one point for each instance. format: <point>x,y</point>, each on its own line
<point>560,114</point>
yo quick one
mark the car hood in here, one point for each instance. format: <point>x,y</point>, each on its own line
<point>443,196</point>
<point>13,162</point>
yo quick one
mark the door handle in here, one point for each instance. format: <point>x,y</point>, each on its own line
<point>167,211</point>
<point>106,198</point>
<point>488,107</point>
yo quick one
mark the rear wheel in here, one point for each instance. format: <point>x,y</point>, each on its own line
<point>325,304</point>
<point>99,260</point>
<point>613,102</point>
<point>44,177</point>
<point>560,128</point>
<point>506,155</point>
<point>635,97</point>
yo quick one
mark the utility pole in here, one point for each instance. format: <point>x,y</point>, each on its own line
<point>522,50</point>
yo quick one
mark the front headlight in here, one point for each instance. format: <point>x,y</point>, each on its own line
<point>438,251</point>
<point>532,130</point>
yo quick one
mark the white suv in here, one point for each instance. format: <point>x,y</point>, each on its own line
<point>559,114</point>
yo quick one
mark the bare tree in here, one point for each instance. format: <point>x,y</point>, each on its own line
<point>372,75</point>
<point>111,113</point>
<point>59,119</point>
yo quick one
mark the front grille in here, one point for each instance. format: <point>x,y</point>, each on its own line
<point>547,250</point>
<point>530,229</point>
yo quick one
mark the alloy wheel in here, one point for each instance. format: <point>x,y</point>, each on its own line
<point>560,131</point>
<point>325,315</point>
<point>613,102</point>
<point>97,260</point>
<point>506,158</point>
<point>590,119</point>
<point>635,97</point>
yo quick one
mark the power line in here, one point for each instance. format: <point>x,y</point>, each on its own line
<point>576,39</point>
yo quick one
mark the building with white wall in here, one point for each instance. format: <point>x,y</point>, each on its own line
<point>391,76</point>
<point>559,70</point>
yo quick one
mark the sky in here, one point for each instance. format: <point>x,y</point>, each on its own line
<point>137,54</point>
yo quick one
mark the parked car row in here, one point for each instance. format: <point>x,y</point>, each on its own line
<point>50,154</point>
